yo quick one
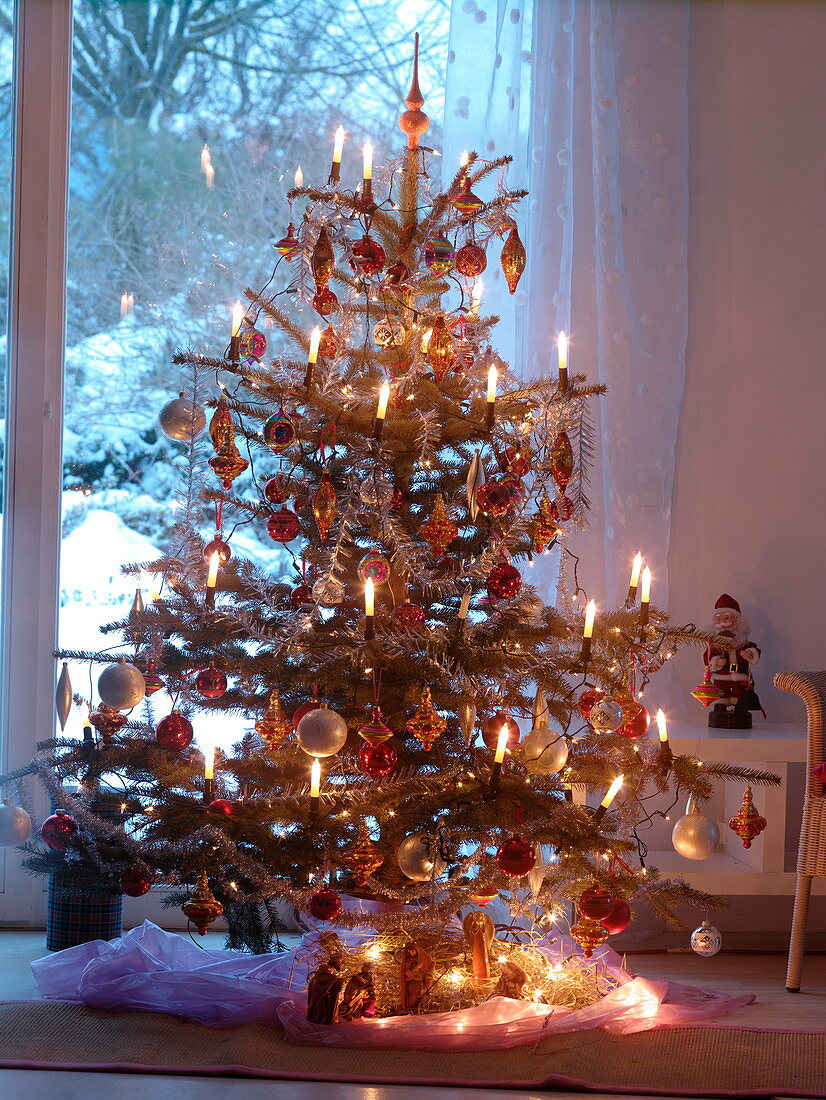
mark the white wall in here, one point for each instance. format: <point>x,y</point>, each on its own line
<point>749,510</point>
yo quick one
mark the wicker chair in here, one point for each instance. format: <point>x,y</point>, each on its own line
<point>811,855</point>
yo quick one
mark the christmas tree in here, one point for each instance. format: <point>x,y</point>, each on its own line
<point>412,475</point>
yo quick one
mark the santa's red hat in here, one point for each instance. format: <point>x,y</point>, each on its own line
<point>728,602</point>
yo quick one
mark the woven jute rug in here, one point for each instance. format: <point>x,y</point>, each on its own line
<point>698,1061</point>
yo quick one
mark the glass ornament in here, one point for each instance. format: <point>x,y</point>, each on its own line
<point>606,715</point>
<point>278,432</point>
<point>374,489</point>
<point>438,255</point>
<point>493,499</point>
<point>440,354</point>
<point>322,732</point>
<point>211,682</point>
<point>305,708</point>
<point>328,592</point>
<point>278,489</point>
<point>107,721</point>
<point>121,685</point>
<point>635,719</point>
<point>368,256</point>
<point>512,259</point>
<point>515,856</point>
<point>289,246</point>
<point>492,727</point>
<point>595,902</point>
<point>273,727</point>
<point>504,581</point>
<point>618,918</point>
<point>426,724</point>
<point>375,730</point>
<point>562,460</point>
<point>181,420</point>
<point>328,345</point>
<point>325,301</point>
<point>202,908</point>
<point>587,700</point>
<point>324,505</point>
<point>57,831</point>
<point>440,530</point>
<point>543,751</point>
<point>15,825</point>
<point>301,598</point>
<point>136,880</point>
<point>252,344</point>
<point>221,807</point>
<point>324,905</point>
<point>228,464</point>
<point>389,333</point>
<point>747,822</point>
<point>223,548</point>
<point>706,940</point>
<point>544,530</point>
<point>589,934</point>
<point>322,258</point>
<point>418,858</point>
<point>378,760</point>
<point>375,567</point>
<point>465,201</point>
<point>397,278</point>
<point>174,732</point>
<point>151,679</point>
<point>364,858</point>
<point>283,526</point>
<point>471,260</point>
<point>517,461</point>
<point>695,836</point>
<point>409,616</point>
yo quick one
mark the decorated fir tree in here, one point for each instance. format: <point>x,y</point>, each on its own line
<point>423,732</point>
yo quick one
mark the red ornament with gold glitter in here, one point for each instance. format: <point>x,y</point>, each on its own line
<point>273,726</point>
<point>283,526</point>
<point>635,718</point>
<point>325,301</point>
<point>440,354</point>
<point>322,258</point>
<point>494,499</point>
<point>377,760</point>
<point>203,907</point>
<point>324,505</point>
<point>544,530</point>
<point>513,259</point>
<point>363,858</point>
<point>562,460</point>
<point>504,581</point>
<point>409,616</point>
<point>174,732</point>
<point>440,530</point>
<point>426,724</point>
<point>471,260</point>
<point>589,934</point>
<point>747,822</point>
<point>368,256</point>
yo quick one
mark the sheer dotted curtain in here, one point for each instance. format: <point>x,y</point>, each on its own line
<point>591,96</point>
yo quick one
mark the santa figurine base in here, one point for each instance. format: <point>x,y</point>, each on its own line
<point>721,718</point>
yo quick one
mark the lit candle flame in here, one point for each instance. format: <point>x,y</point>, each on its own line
<point>502,743</point>
<point>475,298</point>
<point>562,351</point>
<point>298,178</point>
<point>613,790</point>
<point>237,318</point>
<point>124,304</point>
<point>209,176</point>
<point>212,577</point>
<point>590,615</point>
<point>367,154</point>
<point>463,159</point>
<point>384,397</point>
<point>493,376</point>
<point>662,727</point>
<point>369,597</point>
<point>645,593</point>
<point>338,145</point>
<point>205,158</point>
<point>635,570</point>
<point>315,341</point>
<point>315,778</point>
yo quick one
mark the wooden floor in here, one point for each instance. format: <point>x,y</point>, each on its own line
<point>762,975</point>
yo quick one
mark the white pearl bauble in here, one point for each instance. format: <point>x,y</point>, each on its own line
<point>543,751</point>
<point>417,858</point>
<point>181,420</point>
<point>15,825</point>
<point>695,836</point>
<point>322,732</point>
<point>121,686</point>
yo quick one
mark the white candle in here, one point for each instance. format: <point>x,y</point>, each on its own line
<point>562,351</point>
<point>205,159</point>
<point>209,176</point>
<point>613,790</point>
<point>212,577</point>
<point>635,571</point>
<point>464,606</point>
<point>475,298</point>
<point>315,341</point>
<point>124,304</point>
<point>237,318</point>
<point>662,727</point>
<point>209,761</point>
<point>338,145</point>
<point>298,178</point>
<point>590,614</point>
<point>463,159</point>
<point>367,154</point>
<point>369,597</point>
<point>645,594</point>
<point>501,744</point>
<point>384,397</point>
<point>493,377</point>
<point>315,778</point>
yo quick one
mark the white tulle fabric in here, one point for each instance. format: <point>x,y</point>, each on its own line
<point>156,971</point>
<point>591,97</point>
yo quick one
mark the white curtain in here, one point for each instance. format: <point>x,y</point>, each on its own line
<point>591,97</point>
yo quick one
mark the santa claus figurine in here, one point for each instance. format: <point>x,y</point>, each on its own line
<point>728,669</point>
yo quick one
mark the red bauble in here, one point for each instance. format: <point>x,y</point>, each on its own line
<point>517,462</point>
<point>283,526</point>
<point>377,760</point>
<point>136,880</point>
<point>222,807</point>
<point>325,301</point>
<point>368,256</point>
<point>618,918</point>
<point>493,727</point>
<point>57,830</point>
<point>305,708</point>
<point>504,581</point>
<point>325,905</point>
<point>635,720</point>
<point>174,732</point>
<point>224,551</point>
<point>595,902</point>
<point>471,260</point>
<point>301,596</point>
<point>409,615</point>
<point>211,682</point>
<point>587,700</point>
<point>278,490</point>
<point>515,857</point>
<point>493,499</point>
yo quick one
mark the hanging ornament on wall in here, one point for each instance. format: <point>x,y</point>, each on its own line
<point>747,822</point>
<point>278,432</point>
<point>606,715</point>
<point>368,256</point>
<point>378,760</point>
<point>322,258</point>
<point>57,831</point>
<point>618,918</point>
<point>543,751</point>
<point>504,581</point>
<point>373,567</point>
<point>426,724</point>
<point>322,732</point>
<point>181,420</point>
<point>283,526</point>
<point>389,333</point>
<point>515,856</point>
<point>695,836</point>
<point>438,255</point>
<point>474,481</point>
<point>706,940</point>
<point>288,246</point>
<point>136,880</point>
<point>471,260</point>
<point>63,696</point>
<point>440,530</point>
<point>324,505</point>
<point>589,934</point>
<point>211,682</point>
<point>324,905</point>
<point>513,259</point>
<point>273,727</point>
<point>121,685</point>
<point>174,732</point>
<point>418,858</point>
<point>15,824</point>
<point>202,908</point>
<point>562,460</point>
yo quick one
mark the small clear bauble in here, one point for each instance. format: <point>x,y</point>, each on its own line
<point>389,333</point>
<point>181,420</point>
<point>121,685</point>
<point>418,858</point>
<point>322,732</point>
<point>606,715</point>
<point>375,490</point>
<point>543,751</point>
<point>706,940</point>
<point>328,592</point>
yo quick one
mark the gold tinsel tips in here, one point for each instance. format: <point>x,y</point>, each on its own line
<point>520,970</point>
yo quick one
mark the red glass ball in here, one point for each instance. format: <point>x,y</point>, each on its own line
<point>635,720</point>
<point>301,596</point>
<point>325,301</point>
<point>409,615</point>
<point>136,881</point>
<point>325,905</point>
<point>517,462</point>
<point>471,260</point>
<point>283,526</point>
<point>595,902</point>
<point>493,727</point>
<point>368,256</point>
<point>211,682</point>
<point>377,760</point>
<point>277,490</point>
<point>493,499</point>
<point>587,700</point>
<point>504,581</point>
<point>305,708</point>
<point>57,830</point>
<point>174,732</point>
<point>618,918</point>
<point>222,807</point>
<point>515,857</point>
<point>224,551</point>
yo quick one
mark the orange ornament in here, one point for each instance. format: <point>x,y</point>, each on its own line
<point>324,505</point>
<point>441,354</point>
<point>426,724</point>
<point>322,258</point>
<point>228,464</point>
<point>221,429</point>
<point>513,259</point>
<point>747,822</point>
<point>440,530</point>
<point>364,858</point>
<point>562,460</point>
<point>203,907</point>
<point>544,529</point>
<point>273,726</point>
<point>589,934</point>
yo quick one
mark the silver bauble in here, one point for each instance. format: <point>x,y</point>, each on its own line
<point>328,592</point>
<point>121,686</point>
<point>467,720</point>
<point>606,715</point>
<point>540,708</point>
<point>375,490</point>
<point>695,836</point>
<point>706,940</point>
<point>543,751</point>
<point>63,696</point>
<point>181,420</point>
<point>475,479</point>
<point>322,732</point>
<point>418,859</point>
<point>15,825</point>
